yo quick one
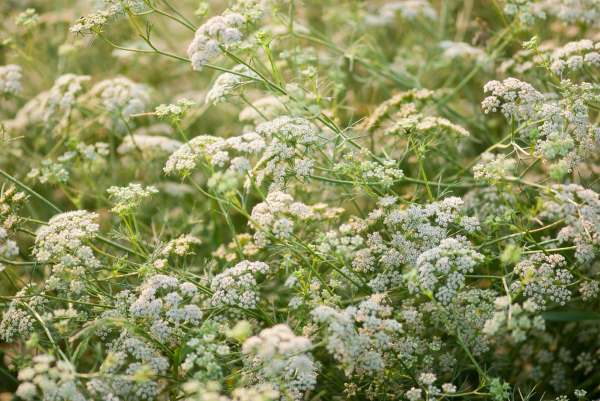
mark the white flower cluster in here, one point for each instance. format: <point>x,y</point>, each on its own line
<point>62,243</point>
<point>148,145</point>
<point>283,142</point>
<point>407,9</point>
<point>196,390</point>
<point>461,50</point>
<point>129,371</point>
<point>574,56</point>
<point>280,357</point>
<point>28,19</point>
<point>544,280</point>
<point>414,394</point>
<point>31,114</point>
<point>52,171</point>
<point>580,209</point>
<point>566,133</point>
<point>422,227</point>
<point>180,246</point>
<point>48,379</point>
<point>186,157</point>
<point>92,156</point>
<point>493,167</point>
<point>228,83</point>
<point>254,10</point>
<point>176,247</point>
<point>279,215</point>
<point>419,123</point>
<point>466,314</point>
<point>111,9</point>
<point>219,31</point>
<point>93,21</point>
<point>166,305</point>
<point>346,240</point>
<point>10,79</point>
<point>384,173</point>
<point>403,104</point>
<point>62,98</point>
<point>584,11</point>
<point>290,141</point>
<point>92,152</point>
<point>222,152</point>
<point>237,286</point>
<point>514,320</point>
<point>11,202</point>
<point>8,247</point>
<point>568,11</point>
<point>427,381</point>
<point>230,157</point>
<point>515,99</point>
<point>490,203</point>
<point>361,337</point>
<point>393,236</point>
<point>589,290</point>
<point>207,350</point>
<point>230,251</point>
<point>127,199</point>
<point>17,321</point>
<point>523,61</point>
<point>64,237</point>
<point>442,269</point>
<point>527,11</point>
<point>174,112</point>
<point>121,97</point>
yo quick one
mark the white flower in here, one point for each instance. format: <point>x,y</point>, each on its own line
<point>129,198</point>
<point>544,278</point>
<point>238,285</point>
<point>180,246</point>
<point>228,83</point>
<point>8,247</point>
<point>414,394</point>
<point>112,9</point>
<point>566,133</point>
<point>62,97</point>
<point>279,356</point>
<point>222,30</point>
<point>359,336</point>
<point>10,79</point>
<point>186,157</point>
<point>516,99</point>
<point>166,305</point>
<point>442,269</point>
<point>580,209</point>
<point>408,9</point>
<point>121,97</point>
<point>65,234</point>
<point>127,356</point>
<point>49,379</point>
<point>278,214</point>
<point>493,167</point>
<point>288,139</point>
<point>174,112</point>
<point>456,50</point>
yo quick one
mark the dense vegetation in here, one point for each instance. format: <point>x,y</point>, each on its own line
<point>295,200</point>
